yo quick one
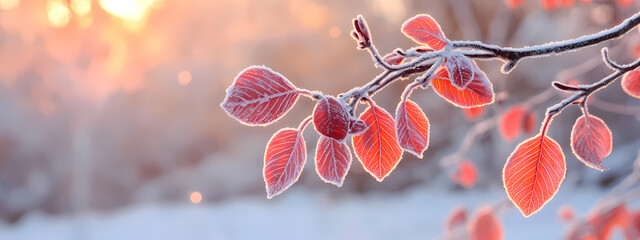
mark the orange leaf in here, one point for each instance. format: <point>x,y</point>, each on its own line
<point>377,148</point>
<point>591,141</point>
<point>632,231</point>
<point>466,174</point>
<point>533,173</point>
<point>631,83</point>
<point>473,113</point>
<point>511,122</point>
<point>455,223</point>
<point>412,128</point>
<point>485,225</point>
<point>283,160</point>
<point>479,91</point>
<point>425,30</point>
<point>333,160</point>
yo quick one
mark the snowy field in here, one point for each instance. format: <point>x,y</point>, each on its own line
<point>418,213</point>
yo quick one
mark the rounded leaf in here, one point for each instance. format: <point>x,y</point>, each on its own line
<point>455,223</point>
<point>591,141</point>
<point>284,158</point>
<point>485,225</point>
<point>460,69</point>
<point>479,91</point>
<point>465,174</point>
<point>529,121</point>
<point>330,118</point>
<point>533,173</point>
<point>473,113</point>
<point>259,96</point>
<point>333,159</point>
<point>412,128</point>
<point>393,58</point>
<point>377,148</point>
<point>425,30</point>
<point>631,83</point>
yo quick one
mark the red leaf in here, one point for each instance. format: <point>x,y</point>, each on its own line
<point>333,160</point>
<point>533,173</point>
<point>393,58</point>
<point>412,128</point>
<point>460,69</point>
<point>357,126</point>
<point>566,213</point>
<point>479,92</point>
<point>591,141</point>
<point>425,30</point>
<point>259,96</point>
<point>624,3</point>
<point>513,4</point>
<point>548,4</point>
<point>330,118</point>
<point>631,83</point>
<point>511,122</point>
<point>602,224</point>
<point>485,225</point>
<point>473,113</point>
<point>454,225</point>
<point>529,121</point>
<point>466,174</point>
<point>377,148</point>
<point>283,160</point>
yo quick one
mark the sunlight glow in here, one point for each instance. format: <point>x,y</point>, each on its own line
<point>133,10</point>
<point>58,13</point>
<point>196,197</point>
<point>9,4</point>
<point>81,7</point>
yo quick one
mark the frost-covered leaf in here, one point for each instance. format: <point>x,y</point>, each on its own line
<point>259,96</point>
<point>511,122</point>
<point>591,141</point>
<point>485,225</point>
<point>377,148</point>
<point>412,127</point>
<point>533,173</point>
<point>631,83</point>
<point>455,224</point>
<point>460,69</point>
<point>283,160</point>
<point>479,91</point>
<point>393,58</point>
<point>425,30</point>
<point>473,113</point>
<point>465,174</point>
<point>356,126</point>
<point>330,118</point>
<point>333,159</point>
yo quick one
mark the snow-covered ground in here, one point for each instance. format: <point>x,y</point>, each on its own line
<point>417,213</point>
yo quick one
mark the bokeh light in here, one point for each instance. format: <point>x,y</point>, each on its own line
<point>184,78</point>
<point>58,13</point>
<point>334,32</point>
<point>195,197</point>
